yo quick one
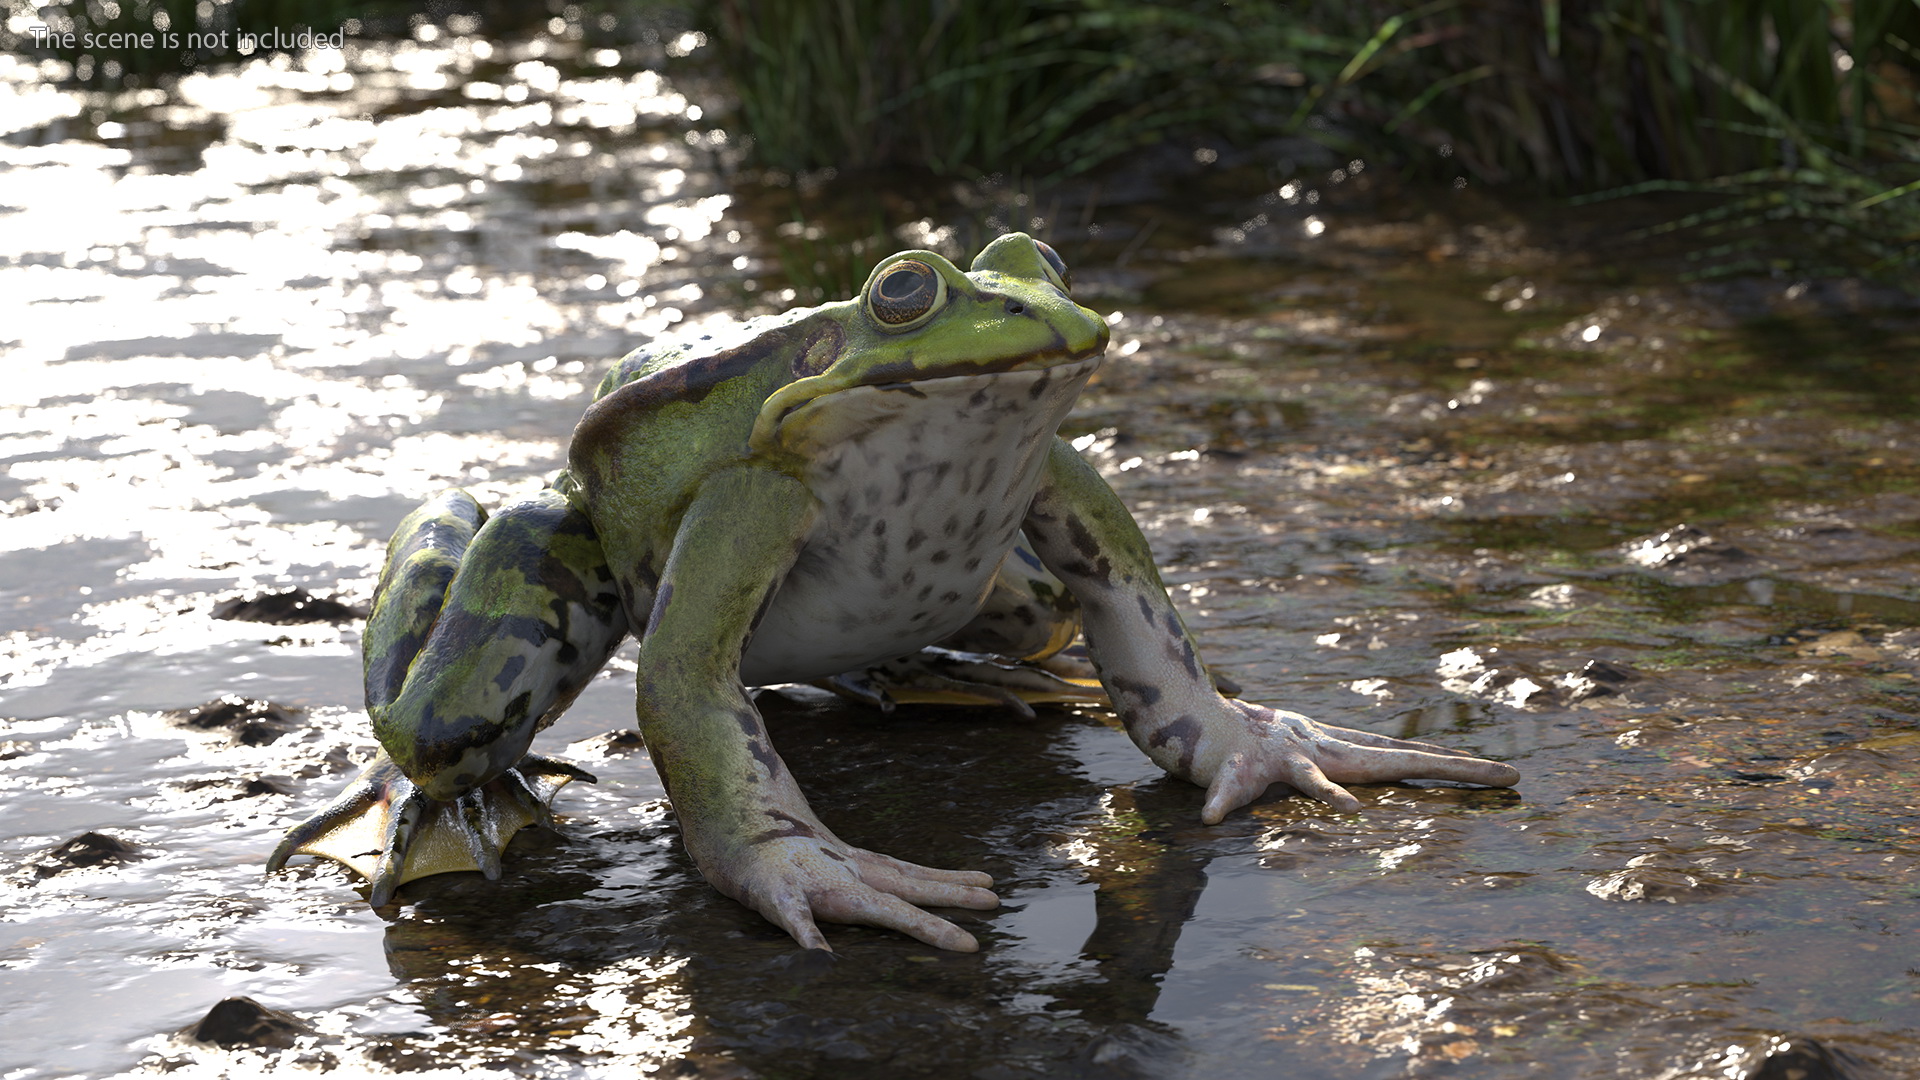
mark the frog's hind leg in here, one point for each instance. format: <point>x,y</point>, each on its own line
<point>383,813</point>
<point>482,632</point>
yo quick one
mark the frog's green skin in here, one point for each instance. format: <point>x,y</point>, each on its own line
<point>807,498</point>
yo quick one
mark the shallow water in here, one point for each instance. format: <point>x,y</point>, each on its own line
<point>1430,469</point>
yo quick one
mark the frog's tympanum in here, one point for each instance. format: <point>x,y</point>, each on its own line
<point>869,495</point>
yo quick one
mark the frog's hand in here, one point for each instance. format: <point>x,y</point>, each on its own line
<point>383,828</point>
<point>1171,710</point>
<point>741,814</point>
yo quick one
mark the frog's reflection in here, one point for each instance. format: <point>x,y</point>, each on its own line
<point>609,942</point>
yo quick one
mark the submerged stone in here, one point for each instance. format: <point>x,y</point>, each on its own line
<point>251,721</point>
<point>89,849</point>
<point>286,608</point>
<point>242,1021</point>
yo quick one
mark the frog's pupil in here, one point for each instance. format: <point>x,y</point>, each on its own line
<point>902,284</point>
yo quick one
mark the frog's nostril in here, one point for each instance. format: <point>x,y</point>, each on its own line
<point>1015,307</point>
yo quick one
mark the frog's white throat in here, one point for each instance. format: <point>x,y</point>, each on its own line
<point>921,488</point>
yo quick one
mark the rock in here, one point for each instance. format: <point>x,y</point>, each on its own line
<point>1599,678</point>
<point>623,741</point>
<point>242,1021</point>
<point>1684,546</point>
<point>1847,643</point>
<point>1804,1059</point>
<point>1655,884</point>
<point>87,850</point>
<point>251,721</point>
<point>285,608</point>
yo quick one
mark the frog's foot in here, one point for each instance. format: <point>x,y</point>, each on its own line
<point>386,829</point>
<point>949,676</point>
<point>1275,746</point>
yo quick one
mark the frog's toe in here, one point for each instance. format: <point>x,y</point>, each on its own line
<point>384,828</point>
<point>950,676</point>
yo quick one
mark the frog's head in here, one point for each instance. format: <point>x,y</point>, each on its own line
<point>919,319</point>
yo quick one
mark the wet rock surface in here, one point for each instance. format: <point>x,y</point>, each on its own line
<point>86,851</point>
<point>248,721</point>
<point>1446,472</point>
<point>242,1021</point>
<point>286,608</point>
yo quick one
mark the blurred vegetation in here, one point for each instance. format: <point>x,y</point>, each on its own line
<point>1002,86</point>
<point>1795,112</point>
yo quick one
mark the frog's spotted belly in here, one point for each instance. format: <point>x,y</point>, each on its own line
<point>922,489</point>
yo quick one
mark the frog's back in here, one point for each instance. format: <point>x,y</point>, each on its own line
<point>672,369</point>
<point>672,411</point>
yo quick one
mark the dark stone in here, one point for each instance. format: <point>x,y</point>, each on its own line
<point>242,1021</point>
<point>285,608</point>
<point>266,785</point>
<point>623,741</point>
<point>1684,546</point>
<point>1599,678</point>
<point>1808,1059</point>
<point>87,849</point>
<point>250,720</point>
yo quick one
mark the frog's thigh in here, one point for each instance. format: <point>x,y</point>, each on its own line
<point>1028,615</point>
<point>422,558</point>
<point>531,615</point>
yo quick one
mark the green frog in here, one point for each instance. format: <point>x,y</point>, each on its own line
<point>812,496</point>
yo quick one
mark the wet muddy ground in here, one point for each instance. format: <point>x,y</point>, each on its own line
<point>1440,469</point>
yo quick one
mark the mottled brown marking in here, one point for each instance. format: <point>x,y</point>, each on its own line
<point>1183,728</point>
<point>1147,693</point>
<point>1083,541</point>
<point>789,826</point>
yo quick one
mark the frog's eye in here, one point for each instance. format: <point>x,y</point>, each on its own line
<point>1056,266</point>
<point>907,293</point>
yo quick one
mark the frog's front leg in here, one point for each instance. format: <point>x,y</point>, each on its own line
<point>742,816</point>
<point>1148,664</point>
<point>482,632</point>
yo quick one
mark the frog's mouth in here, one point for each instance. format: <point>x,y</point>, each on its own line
<point>893,386</point>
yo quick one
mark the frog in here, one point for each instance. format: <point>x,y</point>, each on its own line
<point>824,495</point>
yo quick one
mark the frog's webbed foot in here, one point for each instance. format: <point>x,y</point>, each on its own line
<point>939,675</point>
<point>384,828</point>
<point>1266,746</point>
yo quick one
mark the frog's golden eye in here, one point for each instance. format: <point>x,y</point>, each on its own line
<point>1056,266</point>
<point>906,295</point>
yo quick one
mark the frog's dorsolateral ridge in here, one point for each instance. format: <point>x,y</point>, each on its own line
<point>806,498</point>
